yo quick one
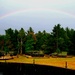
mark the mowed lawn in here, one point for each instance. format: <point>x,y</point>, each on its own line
<point>58,62</point>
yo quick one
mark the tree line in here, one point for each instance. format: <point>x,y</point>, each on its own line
<point>21,41</point>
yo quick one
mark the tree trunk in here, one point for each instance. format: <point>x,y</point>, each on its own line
<point>21,46</point>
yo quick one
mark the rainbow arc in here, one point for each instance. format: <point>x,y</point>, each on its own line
<point>36,10</point>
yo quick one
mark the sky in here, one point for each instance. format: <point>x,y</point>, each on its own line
<point>38,14</point>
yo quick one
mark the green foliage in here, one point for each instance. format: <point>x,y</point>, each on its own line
<point>57,50</point>
<point>30,40</point>
<point>58,40</point>
<point>29,45</point>
<point>6,49</point>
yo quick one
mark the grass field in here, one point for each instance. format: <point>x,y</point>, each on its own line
<point>59,62</point>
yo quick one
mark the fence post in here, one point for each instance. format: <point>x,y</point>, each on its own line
<point>66,64</point>
<point>5,60</point>
<point>33,61</point>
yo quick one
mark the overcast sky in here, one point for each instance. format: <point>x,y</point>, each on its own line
<point>38,14</point>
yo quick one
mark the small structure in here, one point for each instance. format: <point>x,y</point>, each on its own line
<point>35,53</point>
<point>13,53</point>
<point>61,54</point>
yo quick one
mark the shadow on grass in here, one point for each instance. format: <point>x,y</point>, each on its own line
<point>32,69</point>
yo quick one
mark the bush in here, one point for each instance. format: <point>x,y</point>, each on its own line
<point>1,54</point>
<point>13,53</point>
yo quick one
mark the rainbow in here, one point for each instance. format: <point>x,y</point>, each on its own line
<point>38,10</point>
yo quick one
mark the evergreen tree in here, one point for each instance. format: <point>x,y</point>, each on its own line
<point>21,38</point>
<point>30,40</point>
